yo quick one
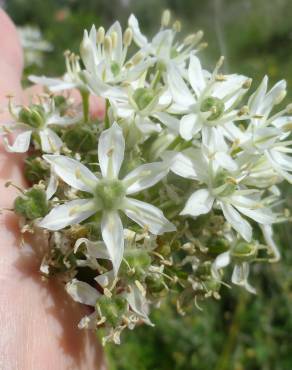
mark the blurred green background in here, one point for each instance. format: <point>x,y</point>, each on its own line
<point>241,331</point>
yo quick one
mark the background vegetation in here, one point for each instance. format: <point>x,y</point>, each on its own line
<point>239,332</point>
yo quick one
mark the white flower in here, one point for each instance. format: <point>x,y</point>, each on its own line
<point>163,45</point>
<point>35,123</point>
<point>72,78</point>
<point>141,108</point>
<point>222,190</point>
<point>264,140</point>
<point>104,56</point>
<point>211,102</point>
<point>110,195</point>
<point>240,271</point>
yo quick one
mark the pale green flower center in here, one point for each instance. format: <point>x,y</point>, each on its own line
<point>110,193</point>
<point>243,252</point>
<point>213,105</point>
<point>33,116</point>
<point>115,68</point>
<point>143,97</point>
<point>223,184</point>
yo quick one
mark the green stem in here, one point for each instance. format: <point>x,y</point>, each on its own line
<point>85,105</point>
<point>106,119</point>
<point>224,362</point>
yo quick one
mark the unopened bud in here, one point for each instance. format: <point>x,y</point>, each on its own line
<point>128,37</point>
<point>177,26</point>
<point>100,35</point>
<point>165,19</point>
<point>108,44</point>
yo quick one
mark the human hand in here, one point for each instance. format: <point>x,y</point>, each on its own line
<point>38,320</point>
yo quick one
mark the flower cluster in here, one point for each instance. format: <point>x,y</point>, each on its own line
<point>177,182</point>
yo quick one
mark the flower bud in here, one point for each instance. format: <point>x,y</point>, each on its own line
<point>35,169</point>
<point>32,204</point>
<point>217,246</point>
<point>80,139</point>
<point>112,308</point>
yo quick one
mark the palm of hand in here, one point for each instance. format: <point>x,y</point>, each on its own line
<point>38,320</point>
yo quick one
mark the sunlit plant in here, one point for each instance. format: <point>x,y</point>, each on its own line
<point>178,181</point>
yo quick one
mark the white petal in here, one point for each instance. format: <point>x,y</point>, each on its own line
<point>268,235</point>
<point>88,322</point>
<point>82,292</point>
<point>139,38</point>
<point>196,75</point>
<point>50,141</point>
<point>199,203</point>
<point>170,121</point>
<point>226,161</point>
<point>258,96</point>
<point>240,276</point>
<point>94,249</point>
<point>181,164</point>
<point>105,279</point>
<point>145,176</point>
<point>260,215</point>
<point>52,185</point>
<point>113,236</point>
<point>180,92</point>
<point>65,121</point>
<point>70,213</point>
<point>21,143</point>
<point>189,126</point>
<point>111,148</point>
<point>220,262</point>
<point>272,96</point>
<point>73,172</point>
<point>117,52</point>
<point>138,304</point>
<point>147,216</point>
<point>236,221</point>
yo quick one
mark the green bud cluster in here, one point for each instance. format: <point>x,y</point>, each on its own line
<point>32,204</point>
<point>33,116</point>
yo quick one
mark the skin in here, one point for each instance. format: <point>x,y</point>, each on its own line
<point>38,320</point>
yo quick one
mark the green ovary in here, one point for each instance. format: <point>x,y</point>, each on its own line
<point>110,193</point>
<point>223,180</point>
<point>213,105</point>
<point>143,97</point>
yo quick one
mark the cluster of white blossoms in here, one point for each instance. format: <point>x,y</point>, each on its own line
<point>177,182</point>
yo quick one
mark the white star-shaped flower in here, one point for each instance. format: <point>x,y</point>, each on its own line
<point>35,122</point>
<point>109,194</point>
